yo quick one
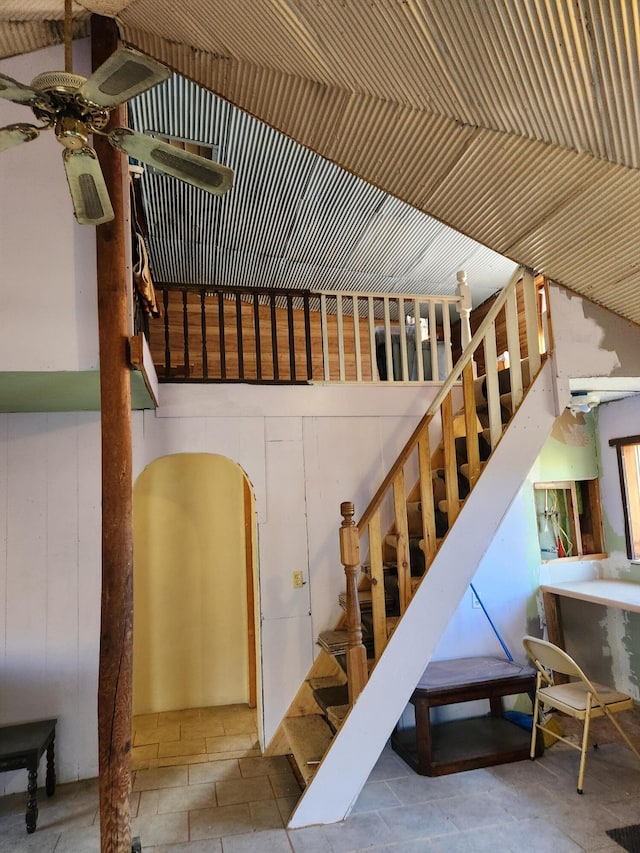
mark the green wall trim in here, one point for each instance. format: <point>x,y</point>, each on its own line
<point>62,391</point>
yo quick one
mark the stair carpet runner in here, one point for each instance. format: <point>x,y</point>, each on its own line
<point>310,735</point>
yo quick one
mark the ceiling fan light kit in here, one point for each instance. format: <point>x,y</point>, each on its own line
<point>76,107</point>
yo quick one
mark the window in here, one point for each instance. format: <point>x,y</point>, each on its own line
<point>628,450</point>
<point>569,519</point>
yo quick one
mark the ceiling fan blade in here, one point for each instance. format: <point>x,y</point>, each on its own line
<point>123,76</point>
<point>195,170</point>
<point>91,202</point>
<point>15,134</point>
<point>11,90</point>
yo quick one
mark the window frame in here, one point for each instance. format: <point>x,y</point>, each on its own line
<point>627,460</point>
<point>590,497</point>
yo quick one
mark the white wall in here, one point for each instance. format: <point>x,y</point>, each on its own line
<point>621,629</point>
<point>304,450</point>
<point>50,582</point>
<point>47,270</point>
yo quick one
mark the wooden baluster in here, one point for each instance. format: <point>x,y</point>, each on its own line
<point>402,546</point>
<point>378,598</point>
<point>340,322</point>
<point>471,423</point>
<point>513,347</point>
<point>307,335</point>
<point>223,356</point>
<point>450,462</point>
<point>372,339</point>
<point>274,337</point>
<point>418,340</point>
<point>203,328</point>
<point>387,339</point>
<point>167,346</point>
<point>256,327</point>
<point>493,388</point>
<point>185,333</point>
<point>404,358</point>
<point>350,558</point>
<point>426,499</point>
<point>531,321</point>
<point>356,338</point>
<point>239,340</point>
<point>433,339</point>
<point>325,337</point>
<point>292,339</point>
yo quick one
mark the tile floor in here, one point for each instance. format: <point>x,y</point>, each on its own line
<point>201,786</point>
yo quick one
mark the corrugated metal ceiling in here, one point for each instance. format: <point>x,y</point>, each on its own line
<point>517,123</point>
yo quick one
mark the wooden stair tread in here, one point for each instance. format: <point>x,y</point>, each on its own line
<point>336,715</point>
<point>327,697</point>
<point>334,642</point>
<point>309,738</point>
<point>320,682</point>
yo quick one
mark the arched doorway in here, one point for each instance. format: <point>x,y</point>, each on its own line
<point>194,634</point>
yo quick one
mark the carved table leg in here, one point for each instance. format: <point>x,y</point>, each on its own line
<point>32,802</point>
<point>51,770</point>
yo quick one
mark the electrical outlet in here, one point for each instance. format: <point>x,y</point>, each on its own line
<point>297,580</point>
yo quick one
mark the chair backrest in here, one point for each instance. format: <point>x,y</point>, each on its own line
<point>552,657</point>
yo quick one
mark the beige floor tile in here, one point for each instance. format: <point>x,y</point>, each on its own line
<point>181,747</point>
<point>235,791</point>
<point>202,728</point>
<point>161,829</point>
<point>272,840</point>
<point>183,716</point>
<point>220,821</point>
<point>241,725</point>
<point>159,734</point>
<point>227,743</point>
<point>187,798</point>
<point>148,803</point>
<point>264,766</point>
<point>161,777</point>
<point>266,815</point>
<point>254,752</point>
<point>214,771</point>
<point>172,760</point>
<point>141,755</point>
<point>145,721</point>
<point>285,784</point>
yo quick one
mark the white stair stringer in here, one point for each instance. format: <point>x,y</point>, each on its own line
<point>359,742</point>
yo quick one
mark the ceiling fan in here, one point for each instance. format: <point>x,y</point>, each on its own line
<point>76,107</point>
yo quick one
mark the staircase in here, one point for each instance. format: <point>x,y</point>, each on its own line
<point>399,598</point>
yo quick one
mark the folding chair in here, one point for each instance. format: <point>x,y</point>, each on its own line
<point>581,699</point>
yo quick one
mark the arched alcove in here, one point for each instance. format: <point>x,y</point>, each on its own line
<point>193,585</point>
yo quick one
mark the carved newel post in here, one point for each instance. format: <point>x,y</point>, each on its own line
<point>350,557</point>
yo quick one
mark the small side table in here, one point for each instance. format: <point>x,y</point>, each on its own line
<point>469,743</point>
<point>22,746</point>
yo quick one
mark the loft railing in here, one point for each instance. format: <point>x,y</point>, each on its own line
<point>280,336</point>
<point>413,518</point>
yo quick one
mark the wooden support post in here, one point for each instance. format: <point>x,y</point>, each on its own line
<point>350,558</point>
<point>115,668</point>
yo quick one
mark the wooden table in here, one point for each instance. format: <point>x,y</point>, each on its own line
<point>624,595</point>
<point>465,744</point>
<point>22,746</point>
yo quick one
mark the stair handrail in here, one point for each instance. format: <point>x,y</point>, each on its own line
<point>445,389</point>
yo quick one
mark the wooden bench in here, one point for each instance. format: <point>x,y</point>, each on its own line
<point>22,746</point>
<point>468,743</point>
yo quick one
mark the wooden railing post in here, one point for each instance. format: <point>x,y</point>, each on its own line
<point>350,558</point>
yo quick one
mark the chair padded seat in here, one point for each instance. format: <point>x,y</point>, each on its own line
<point>575,695</point>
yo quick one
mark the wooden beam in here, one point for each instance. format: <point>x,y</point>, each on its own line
<point>115,668</point>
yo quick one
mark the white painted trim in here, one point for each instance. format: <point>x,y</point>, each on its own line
<point>345,768</point>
